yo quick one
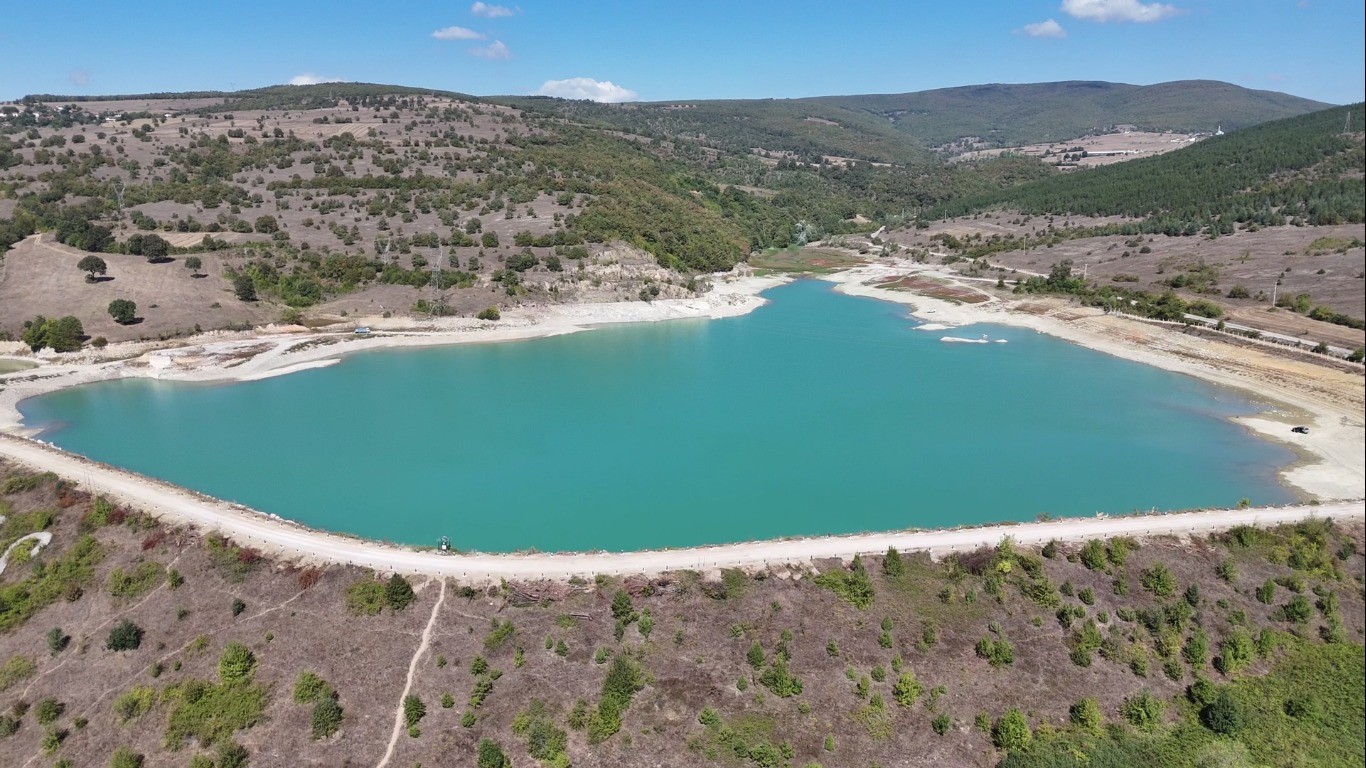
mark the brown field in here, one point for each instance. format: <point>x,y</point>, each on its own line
<point>1133,144</point>
<point>808,259</point>
<point>939,289</point>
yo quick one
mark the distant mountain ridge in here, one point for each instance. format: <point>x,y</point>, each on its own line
<point>1026,113</point>
<point>903,127</point>
<point>896,128</point>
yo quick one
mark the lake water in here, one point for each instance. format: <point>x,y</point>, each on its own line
<point>818,413</point>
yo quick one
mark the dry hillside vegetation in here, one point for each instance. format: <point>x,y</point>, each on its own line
<point>126,638</point>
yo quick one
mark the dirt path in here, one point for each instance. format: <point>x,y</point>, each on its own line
<point>412,670</point>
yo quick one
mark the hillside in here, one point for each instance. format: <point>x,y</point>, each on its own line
<point>1010,115</point>
<point>1301,168</point>
<point>327,202</point>
<point>901,128</point>
<point>123,637</point>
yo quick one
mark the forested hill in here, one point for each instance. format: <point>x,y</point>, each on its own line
<point>1303,169</point>
<point>313,96</point>
<point>901,128</point>
<point>1010,115</point>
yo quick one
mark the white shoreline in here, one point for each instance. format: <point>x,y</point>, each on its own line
<point>1333,463</point>
<point>283,539</point>
<point>1337,443</point>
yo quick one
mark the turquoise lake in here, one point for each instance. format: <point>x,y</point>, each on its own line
<point>818,413</point>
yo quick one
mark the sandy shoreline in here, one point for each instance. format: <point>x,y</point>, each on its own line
<point>1332,462</point>
<point>290,541</point>
<point>1332,467</point>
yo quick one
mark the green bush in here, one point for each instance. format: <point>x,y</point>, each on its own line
<point>134,703</point>
<point>326,718</point>
<point>413,710</point>
<point>1143,710</point>
<point>907,689</point>
<point>48,710</point>
<point>125,636</point>
<point>398,593</point>
<point>852,585</point>
<point>490,755</point>
<point>236,664</point>
<point>1011,731</point>
<point>1085,714</point>
<point>998,653</point>
<point>1224,715</point>
<point>308,687</point>
<point>366,597</point>
<point>16,668</point>
<point>779,680</point>
<point>124,757</point>
<point>211,713</point>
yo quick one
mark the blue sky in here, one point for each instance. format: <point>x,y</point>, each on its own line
<point>662,50</point>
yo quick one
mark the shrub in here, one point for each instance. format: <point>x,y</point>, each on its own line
<point>308,687</point>
<point>141,580</point>
<point>755,655</point>
<point>365,597</point>
<point>124,757</point>
<point>398,593</point>
<point>326,719</point>
<point>852,585</point>
<point>413,710</point>
<point>134,703</point>
<point>490,313</point>
<point>907,689</point>
<point>499,633</point>
<point>491,755</point>
<point>1144,710</point>
<point>125,636</point>
<point>48,710</point>
<point>232,755</point>
<point>1235,653</point>
<point>1298,610</point>
<point>998,653</point>
<point>1011,732</point>
<point>1224,715</point>
<point>891,564</point>
<point>941,723</point>
<point>779,680</point>
<point>1158,580</point>
<point>236,664</point>
<point>1086,714</point>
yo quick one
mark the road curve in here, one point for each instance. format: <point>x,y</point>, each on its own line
<point>177,506</point>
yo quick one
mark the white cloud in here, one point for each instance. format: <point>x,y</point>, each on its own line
<point>1049,28</point>
<point>308,78</point>
<point>80,77</point>
<point>494,50</point>
<point>486,11</point>
<point>1118,10</point>
<point>457,33</point>
<point>587,88</point>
